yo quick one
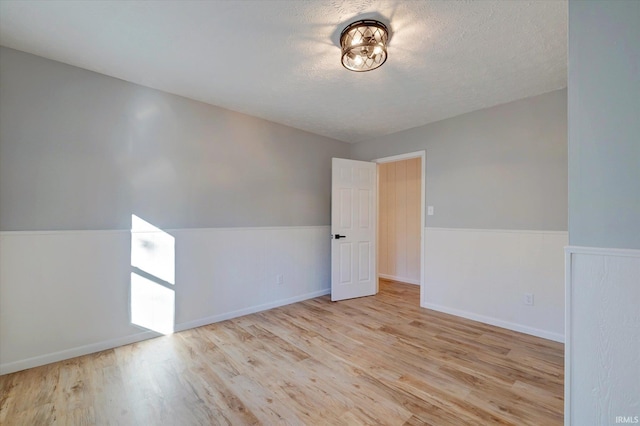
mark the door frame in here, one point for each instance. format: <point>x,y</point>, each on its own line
<point>423,181</point>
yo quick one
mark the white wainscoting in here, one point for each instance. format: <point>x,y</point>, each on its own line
<point>602,352</point>
<point>483,274</point>
<point>67,293</point>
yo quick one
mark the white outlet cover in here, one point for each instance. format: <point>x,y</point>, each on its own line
<point>528,299</point>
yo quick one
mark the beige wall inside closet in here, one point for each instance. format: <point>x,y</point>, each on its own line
<point>399,220</point>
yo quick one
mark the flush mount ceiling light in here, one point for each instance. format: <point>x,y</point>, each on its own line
<point>364,45</point>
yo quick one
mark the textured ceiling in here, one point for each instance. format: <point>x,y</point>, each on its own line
<point>280,60</point>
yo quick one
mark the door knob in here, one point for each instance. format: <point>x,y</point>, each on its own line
<point>338,236</point>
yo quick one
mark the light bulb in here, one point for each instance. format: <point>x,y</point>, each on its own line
<point>357,60</point>
<point>377,50</point>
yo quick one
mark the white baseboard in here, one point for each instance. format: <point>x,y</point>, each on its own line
<point>12,367</point>
<point>250,310</point>
<point>497,322</point>
<point>37,361</point>
<point>401,279</point>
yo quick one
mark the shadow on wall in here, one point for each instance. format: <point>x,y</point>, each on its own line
<point>152,277</point>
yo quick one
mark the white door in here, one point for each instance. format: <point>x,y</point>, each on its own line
<point>353,229</point>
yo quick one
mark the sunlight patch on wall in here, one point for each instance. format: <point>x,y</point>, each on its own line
<point>152,305</point>
<point>152,277</point>
<point>152,250</point>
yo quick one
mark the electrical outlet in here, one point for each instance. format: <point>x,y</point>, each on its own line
<point>528,299</point>
<point>429,210</point>
<point>279,279</point>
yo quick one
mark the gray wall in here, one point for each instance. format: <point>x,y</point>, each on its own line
<point>80,150</point>
<point>603,285</point>
<point>604,130</point>
<point>499,168</point>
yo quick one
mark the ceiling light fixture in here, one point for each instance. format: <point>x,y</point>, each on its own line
<point>364,45</point>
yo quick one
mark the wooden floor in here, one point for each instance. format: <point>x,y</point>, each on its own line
<point>375,360</point>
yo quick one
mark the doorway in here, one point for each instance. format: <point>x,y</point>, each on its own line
<point>401,218</point>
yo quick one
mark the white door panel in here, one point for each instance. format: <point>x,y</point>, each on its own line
<point>353,229</point>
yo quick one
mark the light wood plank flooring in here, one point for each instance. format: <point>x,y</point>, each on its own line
<point>377,360</point>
